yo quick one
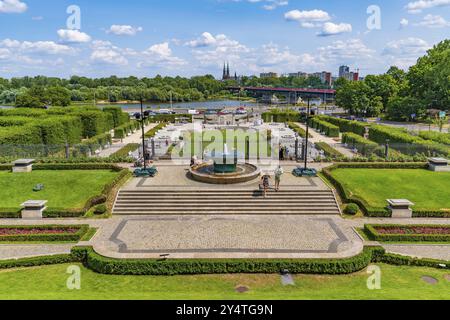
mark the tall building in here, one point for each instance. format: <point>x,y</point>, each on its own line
<point>344,71</point>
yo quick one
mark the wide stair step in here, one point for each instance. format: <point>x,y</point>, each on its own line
<point>225,201</point>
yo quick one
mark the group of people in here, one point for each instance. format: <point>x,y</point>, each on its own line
<point>265,180</point>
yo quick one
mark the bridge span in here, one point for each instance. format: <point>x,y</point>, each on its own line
<point>292,95</point>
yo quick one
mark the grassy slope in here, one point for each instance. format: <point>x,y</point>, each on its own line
<point>63,189</point>
<point>427,189</point>
<point>50,283</point>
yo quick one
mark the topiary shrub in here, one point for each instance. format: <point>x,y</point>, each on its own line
<point>100,209</point>
<point>351,209</point>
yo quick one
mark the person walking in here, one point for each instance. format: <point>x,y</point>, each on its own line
<point>265,180</point>
<point>278,173</point>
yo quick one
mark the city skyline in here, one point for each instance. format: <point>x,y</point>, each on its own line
<point>196,37</point>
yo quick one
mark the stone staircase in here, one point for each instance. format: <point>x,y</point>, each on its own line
<point>217,202</point>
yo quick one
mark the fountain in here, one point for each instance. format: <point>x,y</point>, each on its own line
<point>225,169</point>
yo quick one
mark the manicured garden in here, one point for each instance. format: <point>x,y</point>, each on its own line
<point>428,190</point>
<point>49,282</point>
<point>43,233</point>
<point>63,189</point>
<point>408,233</point>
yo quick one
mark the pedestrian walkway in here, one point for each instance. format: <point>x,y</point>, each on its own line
<point>133,138</point>
<point>317,137</point>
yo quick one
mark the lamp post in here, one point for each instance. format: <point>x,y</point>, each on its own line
<point>387,149</point>
<point>143,133</point>
<point>307,132</point>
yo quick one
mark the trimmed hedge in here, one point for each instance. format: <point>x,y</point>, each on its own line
<point>371,231</point>
<point>399,260</point>
<point>105,265</point>
<point>123,152</point>
<point>329,150</point>
<point>365,147</point>
<point>37,261</point>
<point>344,125</point>
<point>62,237</point>
<point>443,138</point>
<point>325,127</point>
<point>300,131</point>
<point>281,116</point>
<point>402,141</point>
<point>152,132</point>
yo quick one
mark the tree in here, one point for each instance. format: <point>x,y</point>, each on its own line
<point>28,101</point>
<point>356,98</point>
<point>402,108</point>
<point>429,79</point>
<point>383,86</point>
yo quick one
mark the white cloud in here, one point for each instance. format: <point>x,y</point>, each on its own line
<point>12,6</point>
<point>404,23</point>
<point>431,21</point>
<point>330,29</point>
<point>408,46</point>
<point>124,30</point>
<point>267,4</point>
<point>273,4</point>
<point>307,16</point>
<point>345,51</point>
<point>160,55</point>
<point>73,36</point>
<point>105,52</point>
<point>206,39</point>
<point>42,47</point>
<point>419,6</point>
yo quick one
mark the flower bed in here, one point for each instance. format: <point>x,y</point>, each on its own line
<point>408,233</point>
<point>44,233</point>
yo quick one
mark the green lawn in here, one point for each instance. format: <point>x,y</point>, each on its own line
<point>428,190</point>
<point>62,188</point>
<point>49,282</point>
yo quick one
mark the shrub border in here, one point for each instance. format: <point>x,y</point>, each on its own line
<point>112,266</point>
<point>62,237</point>
<point>371,231</point>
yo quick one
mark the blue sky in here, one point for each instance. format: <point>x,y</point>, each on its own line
<point>193,37</point>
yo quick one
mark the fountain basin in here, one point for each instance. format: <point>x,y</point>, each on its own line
<point>207,173</point>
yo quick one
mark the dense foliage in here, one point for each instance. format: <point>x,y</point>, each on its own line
<point>400,95</point>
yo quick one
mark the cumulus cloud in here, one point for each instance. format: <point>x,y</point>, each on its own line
<point>206,39</point>
<point>160,55</point>
<point>419,6</point>
<point>124,30</point>
<point>267,4</point>
<point>331,29</point>
<point>41,47</point>
<point>307,18</point>
<point>106,52</point>
<point>73,36</point>
<point>12,6</point>
<point>432,21</point>
<point>408,46</point>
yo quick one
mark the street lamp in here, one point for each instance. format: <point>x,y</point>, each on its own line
<point>307,133</point>
<point>143,132</point>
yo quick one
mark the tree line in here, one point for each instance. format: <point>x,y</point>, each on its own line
<point>402,95</point>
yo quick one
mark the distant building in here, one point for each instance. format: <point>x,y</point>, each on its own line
<point>344,72</point>
<point>269,75</point>
<point>226,73</point>
<point>324,76</point>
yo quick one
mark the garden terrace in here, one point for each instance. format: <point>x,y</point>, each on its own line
<point>369,185</point>
<point>71,190</point>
